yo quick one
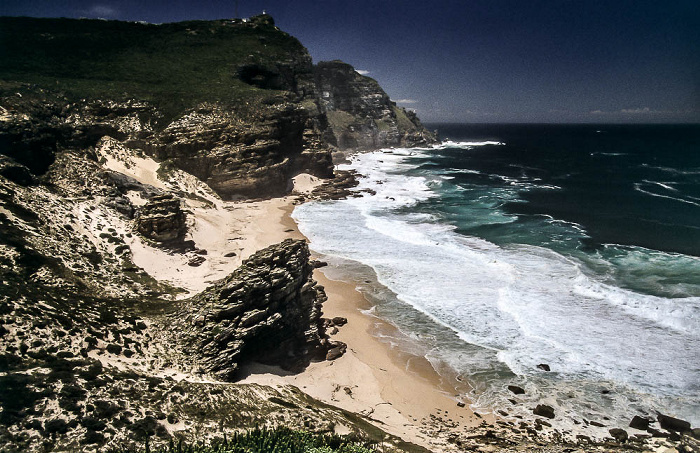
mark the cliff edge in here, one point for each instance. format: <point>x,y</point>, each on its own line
<point>238,104</point>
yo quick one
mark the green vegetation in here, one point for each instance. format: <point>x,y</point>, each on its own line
<point>402,119</point>
<point>280,440</point>
<point>174,66</point>
<point>340,120</point>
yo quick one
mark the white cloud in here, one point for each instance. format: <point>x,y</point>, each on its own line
<point>406,101</point>
<point>101,11</point>
<point>638,111</point>
<point>362,71</point>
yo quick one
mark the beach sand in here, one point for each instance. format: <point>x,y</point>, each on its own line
<point>401,392</point>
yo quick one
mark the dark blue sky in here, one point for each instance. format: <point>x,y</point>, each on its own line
<point>479,60</point>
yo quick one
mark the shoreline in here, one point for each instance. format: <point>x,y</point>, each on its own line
<point>400,391</point>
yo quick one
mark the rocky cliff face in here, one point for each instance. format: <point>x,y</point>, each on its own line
<point>244,109</point>
<point>240,156</point>
<point>360,114</point>
<point>161,219</point>
<point>92,164</point>
<point>268,310</point>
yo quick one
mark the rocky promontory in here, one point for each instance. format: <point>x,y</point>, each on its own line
<point>268,310</point>
<point>243,109</point>
<point>360,114</point>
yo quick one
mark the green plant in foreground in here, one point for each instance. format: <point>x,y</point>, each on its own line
<point>279,440</point>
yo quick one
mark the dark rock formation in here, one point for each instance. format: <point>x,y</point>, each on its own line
<point>161,219</point>
<point>618,434</point>
<point>268,310</point>
<point>15,172</point>
<point>360,114</point>
<point>641,423</point>
<point>544,411</point>
<point>336,351</point>
<point>673,424</point>
<point>516,390</point>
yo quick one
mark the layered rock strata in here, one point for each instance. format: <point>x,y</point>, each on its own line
<point>161,219</point>
<point>268,310</point>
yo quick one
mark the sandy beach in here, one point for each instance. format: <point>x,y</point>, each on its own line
<point>402,393</point>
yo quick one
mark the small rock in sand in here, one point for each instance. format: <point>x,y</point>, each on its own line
<point>339,321</point>
<point>196,261</point>
<point>516,390</point>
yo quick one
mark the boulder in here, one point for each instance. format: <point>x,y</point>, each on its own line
<point>268,311</point>
<point>516,390</point>
<point>640,423</point>
<point>339,321</point>
<point>673,424</point>
<point>196,261</point>
<point>618,434</point>
<point>336,351</point>
<point>544,411</point>
<point>161,219</point>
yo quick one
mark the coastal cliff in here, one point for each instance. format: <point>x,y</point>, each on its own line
<point>360,114</point>
<point>119,143</point>
<point>238,104</point>
<point>138,283</point>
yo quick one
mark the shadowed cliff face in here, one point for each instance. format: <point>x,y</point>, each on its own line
<point>360,114</point>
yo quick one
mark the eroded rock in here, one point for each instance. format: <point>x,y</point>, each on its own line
<point>161,219</point>
<point>268,310</point>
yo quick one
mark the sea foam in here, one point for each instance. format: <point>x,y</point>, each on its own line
<point>526,304</point>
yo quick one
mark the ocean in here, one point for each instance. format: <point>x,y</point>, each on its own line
<point>511,246</point>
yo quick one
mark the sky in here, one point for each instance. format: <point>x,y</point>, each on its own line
<point>561,61</point>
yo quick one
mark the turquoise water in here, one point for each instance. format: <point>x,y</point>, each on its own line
<point>511,246</point>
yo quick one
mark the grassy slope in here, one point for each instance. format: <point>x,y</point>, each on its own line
<point>175,66</point>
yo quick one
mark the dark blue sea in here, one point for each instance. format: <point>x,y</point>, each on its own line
<point>510,246</point>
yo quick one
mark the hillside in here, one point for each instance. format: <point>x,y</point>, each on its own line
<point>236,103</point>
<point>131,289</point>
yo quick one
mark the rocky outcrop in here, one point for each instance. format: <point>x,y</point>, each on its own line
<point>161,219</point>
<point>244,157</point>
<point>268,310</point>
<point>673,424</point>
<point>15,172</point>
<point>544,411</point>
<point>360,114</point>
